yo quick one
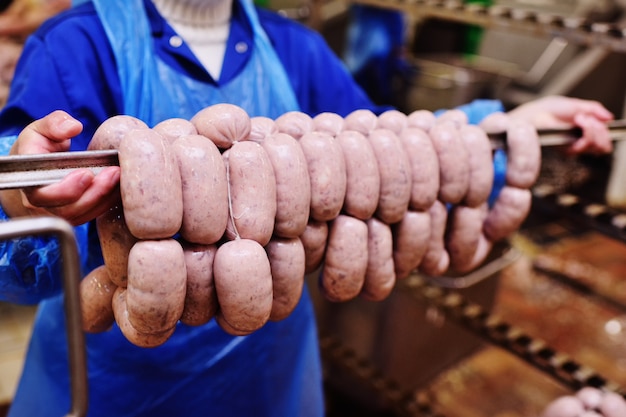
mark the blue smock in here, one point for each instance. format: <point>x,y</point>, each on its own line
<point>69,64</point>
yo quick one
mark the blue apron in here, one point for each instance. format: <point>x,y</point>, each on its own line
<point>200,370</point>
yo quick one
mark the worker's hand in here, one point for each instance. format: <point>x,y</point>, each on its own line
<point>81,196</point>
<point>556,112</point>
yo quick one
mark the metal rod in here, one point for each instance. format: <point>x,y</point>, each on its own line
<point>71,279</point>
<point>22,171</point>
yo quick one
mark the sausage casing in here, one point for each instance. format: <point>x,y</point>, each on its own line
<point>395,175</point>
<point>345,263</point>
<point>252,192</point>
<point>243,281</point>
<point>362,175</point>
<point>293,186</point>
<point>204,189</point>
<point>150,185</point>
<point>157,280</point>
<point>287,262</point>
<point>327,173</point>
<point>380,275</point>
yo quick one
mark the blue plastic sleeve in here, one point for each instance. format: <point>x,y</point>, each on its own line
<point>30,265</point>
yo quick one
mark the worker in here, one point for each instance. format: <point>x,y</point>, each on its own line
<point>156,60</point>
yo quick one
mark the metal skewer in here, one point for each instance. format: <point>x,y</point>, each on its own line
<point>21,171</point>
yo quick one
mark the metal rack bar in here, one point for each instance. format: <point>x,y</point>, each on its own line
<point>576,30</point>
<point>511,338</point>
<point>71,278</point>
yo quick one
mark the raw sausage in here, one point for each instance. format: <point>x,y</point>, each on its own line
<point>200,296</point>
<point>314,240</point>
<point>327,173</point>
<point>252,192</point>
<point>328,122</point>
<point>243,281</point>
<point>172,129</point>
<point>481,170</point>
<point>455,116</point>
<point>424,167</point>
<point>362,175</point>
<point>363,121</point>
<point>150,185</point>
<point>395,175</point>
<point>566,406</point>
<point>453,162</point>
<point>293,186</point>
<point>345,264</point>
<point>523,155</point>
<point>613,405</point>
<point>204,189</point>
<point>137,338</point>
<point>463,234</point>
<point>508,212</point>
<point>156,289</point>
<point>96,297</point>
<point>223,123</point>
<point>380,276</point>
<point>295,123</point>
<point>436,259</point>
<point>421,119</point>
<point>287,262</point>
<point>260,127</point>
<point>110,133</point>
<point>394,120</point>
<point>115,242</point>
<point>411,239</point>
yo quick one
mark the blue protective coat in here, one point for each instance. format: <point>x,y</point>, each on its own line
<point>71,64</point>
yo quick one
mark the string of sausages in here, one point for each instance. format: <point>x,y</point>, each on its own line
<point>221,216</point>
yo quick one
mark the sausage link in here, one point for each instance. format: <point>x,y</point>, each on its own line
<point>252,192</point>
<point>243,281</point>
<point>411,241</point>
<point>481,170</point>
<point>523,155</point>
<point>204,189</point>
<point>172,129</point>
<point>463,234</point>
<point>260,127</point>
<point>137,338</point>
<point>150,185</point>
<point>394,120</point>
<point>293,185</point>
<point>362,175</point>
<point>362,121</point>
<point>455,116</point>
<point>345,264</point>
<point>453,162</point>
<point>115,242</point>
<point>327,173</point>
<point>421,119</point>
<point>223,123</point>
<point>110,133</point>
<point>157,278</point>
<point>395,175</point>
<point>287,262</point>
<point>380,276</point>
<point>424,167</point>
<point>328,122</point>
<point>295,123</point>
<point>508,213</point>
<point>200,296</point>
<point>96,297</point>
<point>435,260</point>
<point>314,241</point>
